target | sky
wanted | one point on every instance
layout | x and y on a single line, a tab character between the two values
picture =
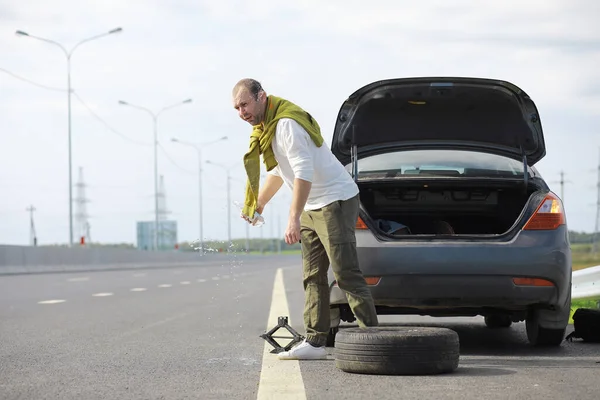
311	52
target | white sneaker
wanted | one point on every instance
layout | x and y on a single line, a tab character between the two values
304	351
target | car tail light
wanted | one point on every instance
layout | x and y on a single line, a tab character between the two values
360	224
532	282
370	280
549	215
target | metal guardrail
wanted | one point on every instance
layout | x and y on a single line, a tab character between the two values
586	284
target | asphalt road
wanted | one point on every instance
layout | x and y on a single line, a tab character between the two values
193	333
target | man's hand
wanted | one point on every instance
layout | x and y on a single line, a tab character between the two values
245	218
292	233
259	209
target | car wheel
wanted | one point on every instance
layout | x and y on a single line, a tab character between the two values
539	336
536	324
495	321
397	350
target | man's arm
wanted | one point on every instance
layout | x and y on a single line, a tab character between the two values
267	191
299	197
297	143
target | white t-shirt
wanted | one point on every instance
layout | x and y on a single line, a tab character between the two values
298	156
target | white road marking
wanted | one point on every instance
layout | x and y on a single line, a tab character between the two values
279	379
51	301
102	294
81	279
165	285
225	277
201	280
138	289
215	278
185	282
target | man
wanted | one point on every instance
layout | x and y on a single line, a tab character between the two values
323	211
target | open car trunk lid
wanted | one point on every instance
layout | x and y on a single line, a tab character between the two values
439	113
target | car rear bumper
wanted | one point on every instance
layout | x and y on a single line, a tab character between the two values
452	274
447	291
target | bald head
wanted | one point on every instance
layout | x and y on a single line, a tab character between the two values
251	85
250	100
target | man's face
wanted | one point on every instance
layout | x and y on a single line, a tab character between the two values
249	109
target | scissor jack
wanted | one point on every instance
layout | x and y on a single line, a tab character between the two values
282	322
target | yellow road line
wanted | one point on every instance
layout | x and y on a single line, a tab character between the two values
279	379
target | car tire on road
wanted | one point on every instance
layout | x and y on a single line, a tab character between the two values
539	336
397	350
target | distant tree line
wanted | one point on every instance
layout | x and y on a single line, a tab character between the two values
581	237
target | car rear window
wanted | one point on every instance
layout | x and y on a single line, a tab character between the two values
438	163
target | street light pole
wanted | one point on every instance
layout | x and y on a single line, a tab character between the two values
198	148
68	55
155	123
228	210
227	170
32	234
200	220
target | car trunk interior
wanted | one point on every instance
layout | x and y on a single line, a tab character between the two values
438	208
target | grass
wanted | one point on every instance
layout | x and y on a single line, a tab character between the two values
581	257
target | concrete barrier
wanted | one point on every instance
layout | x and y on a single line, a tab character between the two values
586	284
28	259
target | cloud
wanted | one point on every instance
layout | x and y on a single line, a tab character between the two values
434	20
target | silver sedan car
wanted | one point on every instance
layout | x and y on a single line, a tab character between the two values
455	220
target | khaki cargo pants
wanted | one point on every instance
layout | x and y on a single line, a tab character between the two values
327	237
